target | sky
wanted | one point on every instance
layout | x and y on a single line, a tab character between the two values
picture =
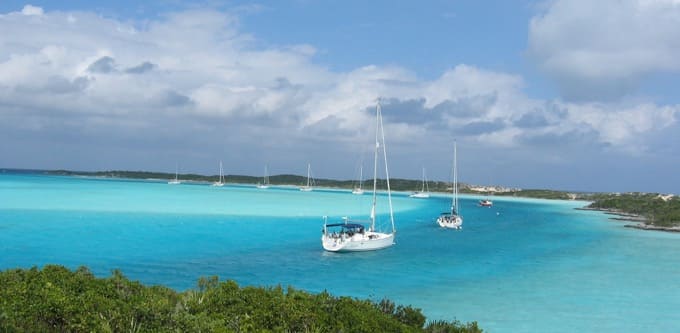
575	95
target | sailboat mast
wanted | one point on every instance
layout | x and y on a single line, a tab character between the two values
361	175
387	173
375	166
309	172
266	175
455	180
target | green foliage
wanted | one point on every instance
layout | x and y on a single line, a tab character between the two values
656	210
395	184
56	299
540	194
455	326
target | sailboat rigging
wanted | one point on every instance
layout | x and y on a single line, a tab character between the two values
358	190
425	190
452	219
265	180
176	180
220	182
351	236
310	181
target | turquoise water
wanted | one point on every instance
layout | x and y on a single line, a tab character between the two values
521	266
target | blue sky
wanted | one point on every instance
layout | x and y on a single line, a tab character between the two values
573	95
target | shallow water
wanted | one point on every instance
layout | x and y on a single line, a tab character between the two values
523	265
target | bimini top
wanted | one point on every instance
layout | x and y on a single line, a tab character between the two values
346	225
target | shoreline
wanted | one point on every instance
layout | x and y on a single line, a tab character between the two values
628	217
617	214
433	193
642	226
335	184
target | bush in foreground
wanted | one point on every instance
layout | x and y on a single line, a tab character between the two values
56	299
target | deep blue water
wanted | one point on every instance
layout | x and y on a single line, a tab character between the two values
523	265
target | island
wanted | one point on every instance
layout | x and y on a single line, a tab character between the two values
651	211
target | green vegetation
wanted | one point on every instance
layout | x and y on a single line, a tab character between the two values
542	194
651	206
396	184
56	299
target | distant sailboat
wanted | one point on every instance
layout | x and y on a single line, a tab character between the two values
452	219
176	180
359	190
310	181
221	181
265	180
351	237
423	193
485	203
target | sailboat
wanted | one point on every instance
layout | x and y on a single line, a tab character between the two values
423	193
351	236
310	181
452	219
265	180
485	203
359	190
176	180
221	181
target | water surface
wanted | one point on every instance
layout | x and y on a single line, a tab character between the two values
521	266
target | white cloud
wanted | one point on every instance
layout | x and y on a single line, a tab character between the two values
192	79
32	10
603	49
467	81
623	126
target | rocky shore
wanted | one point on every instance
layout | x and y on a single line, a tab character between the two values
618	215
643	226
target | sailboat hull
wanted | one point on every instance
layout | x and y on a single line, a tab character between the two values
450	222
355	237
265	184
485	203
368	241
421	195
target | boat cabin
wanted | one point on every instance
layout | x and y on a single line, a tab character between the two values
348	229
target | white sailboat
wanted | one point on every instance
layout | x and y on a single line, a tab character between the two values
265	180
351	236
176	180
359	190
452	219
423	193
220	182
485	203
310	181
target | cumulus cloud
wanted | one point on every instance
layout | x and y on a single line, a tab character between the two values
191	84
601	50
141	68
102	65
32	10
